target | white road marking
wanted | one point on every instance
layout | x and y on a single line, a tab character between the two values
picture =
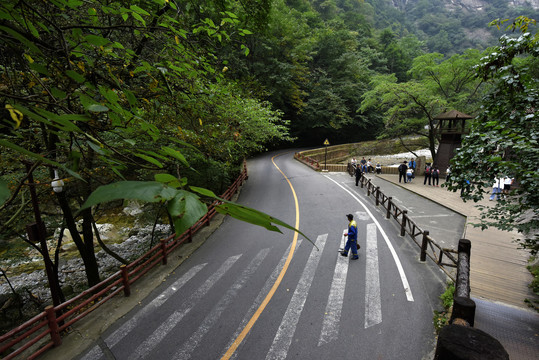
144	349
373	303
285	333
214	315
404	280
129	325
332	317
261	295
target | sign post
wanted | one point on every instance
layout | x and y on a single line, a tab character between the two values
326	144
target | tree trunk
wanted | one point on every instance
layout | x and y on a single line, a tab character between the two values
86	248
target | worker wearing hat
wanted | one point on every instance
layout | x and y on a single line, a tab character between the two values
352	238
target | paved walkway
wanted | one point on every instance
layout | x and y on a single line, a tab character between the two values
498	268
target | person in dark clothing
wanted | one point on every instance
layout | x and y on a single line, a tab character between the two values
402	171
435	176
358	174
363	163
428	175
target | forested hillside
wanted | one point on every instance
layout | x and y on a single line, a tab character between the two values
315	60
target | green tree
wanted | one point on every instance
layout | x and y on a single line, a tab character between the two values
435	86
504	137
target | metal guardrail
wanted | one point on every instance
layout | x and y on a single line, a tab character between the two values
55	320
428	246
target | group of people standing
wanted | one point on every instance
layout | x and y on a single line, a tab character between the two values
407	173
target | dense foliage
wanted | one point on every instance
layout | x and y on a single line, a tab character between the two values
504	137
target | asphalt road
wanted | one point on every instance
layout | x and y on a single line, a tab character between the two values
248	293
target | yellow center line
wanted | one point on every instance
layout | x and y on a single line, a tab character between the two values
264	303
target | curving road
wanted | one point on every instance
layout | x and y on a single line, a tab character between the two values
248	293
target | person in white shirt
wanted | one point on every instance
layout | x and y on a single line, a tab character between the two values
507	182
496	189
409	174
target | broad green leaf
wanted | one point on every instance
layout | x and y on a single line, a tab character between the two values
168	179
61	122
175	154
146	191
97	148
247	214
139	10
97	40
75	76
58	94
39	68
150	160
139	18
185	209
4	192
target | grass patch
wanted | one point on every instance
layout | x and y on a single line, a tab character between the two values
441	318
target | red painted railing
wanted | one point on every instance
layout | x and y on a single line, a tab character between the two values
30	337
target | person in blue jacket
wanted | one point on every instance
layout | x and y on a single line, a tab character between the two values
352	238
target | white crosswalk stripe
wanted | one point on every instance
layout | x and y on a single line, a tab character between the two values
373	303
283	338
332	315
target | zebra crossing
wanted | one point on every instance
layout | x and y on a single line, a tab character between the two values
284	335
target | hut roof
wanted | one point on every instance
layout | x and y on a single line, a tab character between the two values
453	114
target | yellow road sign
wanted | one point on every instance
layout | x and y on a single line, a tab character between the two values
326	142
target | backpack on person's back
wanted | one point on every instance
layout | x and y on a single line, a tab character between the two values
402	168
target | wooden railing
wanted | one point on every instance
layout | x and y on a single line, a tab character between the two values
30	338
442	257
308	161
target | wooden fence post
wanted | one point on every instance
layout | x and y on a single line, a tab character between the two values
125	280
424	245
377	195
403	224
369	188
463	306
53	325
164	251
388	215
